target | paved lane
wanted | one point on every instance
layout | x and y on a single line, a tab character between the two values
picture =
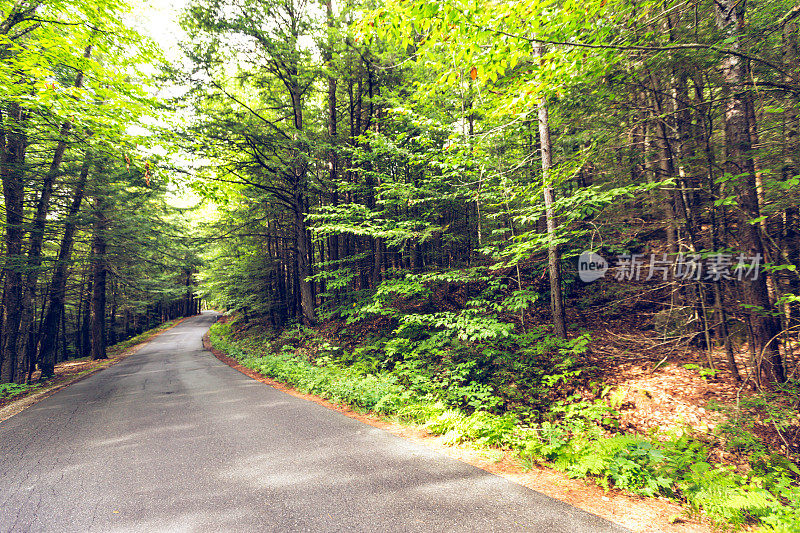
173	440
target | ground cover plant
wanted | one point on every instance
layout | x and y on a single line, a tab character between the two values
578	436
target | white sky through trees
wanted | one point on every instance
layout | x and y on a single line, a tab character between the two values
158	19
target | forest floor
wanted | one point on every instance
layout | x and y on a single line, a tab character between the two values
666	381
69	372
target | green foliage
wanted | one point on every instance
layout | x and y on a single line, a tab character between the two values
774	409
724	494
12	389
579	437
419	413
480	427
337	384
626	461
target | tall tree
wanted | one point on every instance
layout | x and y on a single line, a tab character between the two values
282	66
48	340
739	166
553	257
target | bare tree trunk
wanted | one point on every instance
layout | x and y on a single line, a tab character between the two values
333	160
686	151
730	18
665	168
553	257
188	299
99	271
299	174
303	265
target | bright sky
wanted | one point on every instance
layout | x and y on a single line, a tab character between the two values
158	19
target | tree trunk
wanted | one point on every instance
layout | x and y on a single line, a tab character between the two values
304	266
12	171
98	316
765	328
188	303
34	260
55	309
791	152
665	168
553	256
333	160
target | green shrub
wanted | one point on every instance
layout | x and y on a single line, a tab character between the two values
724	494
624	461
419	413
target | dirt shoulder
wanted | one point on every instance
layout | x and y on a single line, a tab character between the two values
644	515
67	373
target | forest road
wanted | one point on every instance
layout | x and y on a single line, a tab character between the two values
173	440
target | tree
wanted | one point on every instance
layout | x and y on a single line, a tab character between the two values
60	104
279	62
740	167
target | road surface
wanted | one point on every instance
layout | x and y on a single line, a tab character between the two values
173	440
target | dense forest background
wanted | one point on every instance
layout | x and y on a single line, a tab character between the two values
429	191
364	155
92	252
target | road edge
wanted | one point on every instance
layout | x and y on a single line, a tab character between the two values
543	480
17	406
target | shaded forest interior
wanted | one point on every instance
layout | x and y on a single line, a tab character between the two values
421	146
92	252
481	202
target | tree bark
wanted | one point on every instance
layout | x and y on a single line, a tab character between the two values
99	272
303	265
300	171
665	168
553	257
48	340
739	164
12	163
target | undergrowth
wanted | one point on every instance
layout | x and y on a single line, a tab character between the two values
8	390
577	436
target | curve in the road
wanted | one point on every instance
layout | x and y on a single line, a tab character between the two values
171	439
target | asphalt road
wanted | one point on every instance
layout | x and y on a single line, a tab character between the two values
173	440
